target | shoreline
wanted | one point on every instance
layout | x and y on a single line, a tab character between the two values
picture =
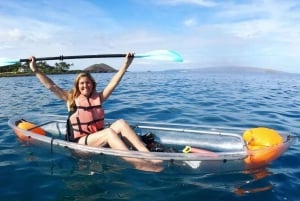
30	74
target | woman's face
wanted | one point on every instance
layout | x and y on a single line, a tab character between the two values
85	86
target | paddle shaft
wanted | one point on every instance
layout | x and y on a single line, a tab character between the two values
75	57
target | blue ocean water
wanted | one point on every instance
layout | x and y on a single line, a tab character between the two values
198	97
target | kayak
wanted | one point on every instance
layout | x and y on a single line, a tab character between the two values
181	147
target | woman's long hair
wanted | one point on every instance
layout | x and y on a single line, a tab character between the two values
74	93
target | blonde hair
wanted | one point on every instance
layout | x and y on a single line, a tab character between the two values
74	93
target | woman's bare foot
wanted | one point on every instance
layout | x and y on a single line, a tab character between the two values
156	162
148	166
145	165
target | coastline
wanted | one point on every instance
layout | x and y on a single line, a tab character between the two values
12	74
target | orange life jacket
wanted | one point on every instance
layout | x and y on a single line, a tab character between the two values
88	117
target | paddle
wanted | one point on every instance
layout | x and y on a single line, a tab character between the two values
164	55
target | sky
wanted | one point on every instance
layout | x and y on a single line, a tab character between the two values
206	33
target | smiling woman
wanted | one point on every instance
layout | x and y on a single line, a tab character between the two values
85	124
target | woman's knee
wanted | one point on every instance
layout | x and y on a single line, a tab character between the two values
121	122
119	125
111	134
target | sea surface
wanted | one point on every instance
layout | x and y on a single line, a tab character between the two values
198	97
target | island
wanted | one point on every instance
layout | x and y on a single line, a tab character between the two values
59	68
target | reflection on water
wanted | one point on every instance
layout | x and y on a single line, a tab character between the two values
91	178
80	176
257	184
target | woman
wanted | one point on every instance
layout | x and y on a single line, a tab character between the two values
86	116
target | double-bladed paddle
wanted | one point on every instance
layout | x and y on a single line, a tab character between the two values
163	55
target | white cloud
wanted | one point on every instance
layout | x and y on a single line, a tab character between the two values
11	34
251	29
192	22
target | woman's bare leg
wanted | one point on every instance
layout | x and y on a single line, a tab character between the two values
108	136
121	127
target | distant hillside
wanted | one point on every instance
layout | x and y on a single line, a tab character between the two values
235	69
241	69
100	68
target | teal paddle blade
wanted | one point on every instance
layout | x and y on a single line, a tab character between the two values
164	55
7	62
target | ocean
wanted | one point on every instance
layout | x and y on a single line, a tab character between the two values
195	97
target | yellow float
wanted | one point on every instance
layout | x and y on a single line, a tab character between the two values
264	145
28	126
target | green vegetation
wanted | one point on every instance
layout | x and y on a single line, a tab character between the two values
20	69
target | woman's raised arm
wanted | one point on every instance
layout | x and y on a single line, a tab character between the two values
47	82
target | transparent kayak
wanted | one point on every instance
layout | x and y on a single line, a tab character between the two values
186	147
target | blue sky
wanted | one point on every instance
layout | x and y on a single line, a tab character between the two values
207	33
